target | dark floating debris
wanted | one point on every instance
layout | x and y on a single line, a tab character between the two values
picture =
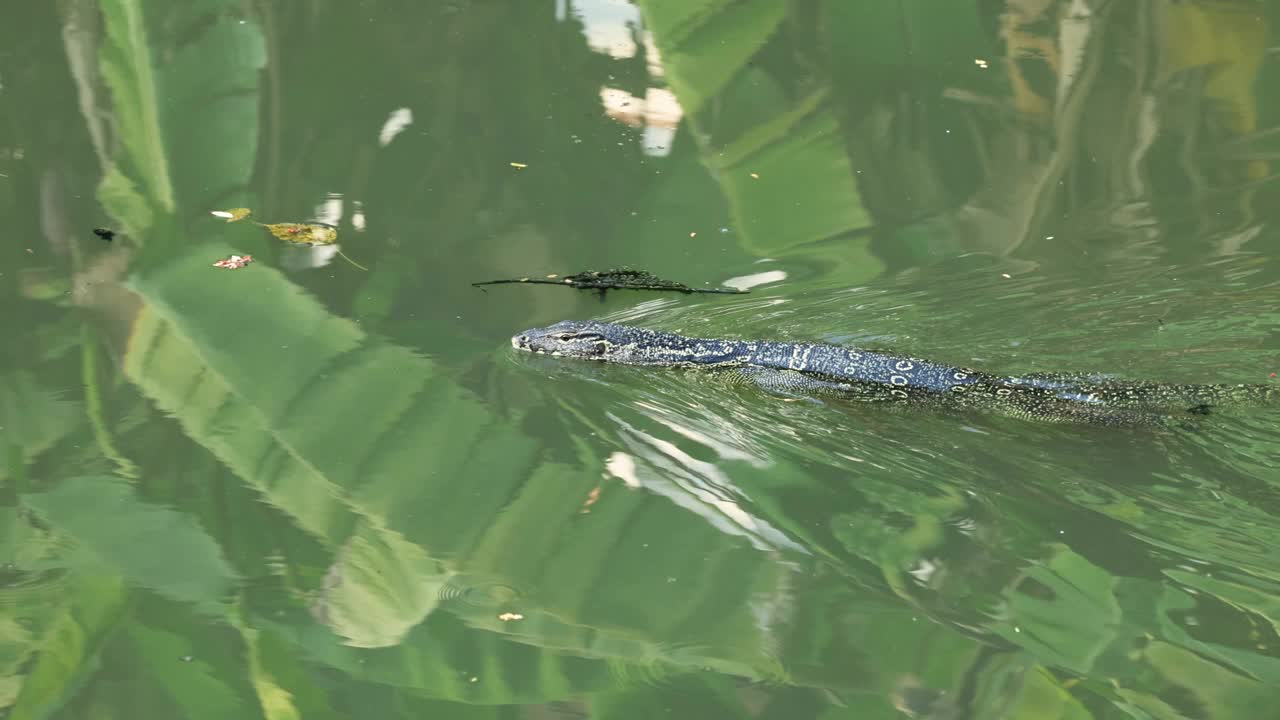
603	281
105	233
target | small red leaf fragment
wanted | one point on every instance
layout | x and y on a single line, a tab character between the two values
235	262
592	497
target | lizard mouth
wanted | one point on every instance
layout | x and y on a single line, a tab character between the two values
525	343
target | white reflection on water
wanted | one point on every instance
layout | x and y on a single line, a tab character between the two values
396	122
609	25
658	113
623	466
663	468
746	282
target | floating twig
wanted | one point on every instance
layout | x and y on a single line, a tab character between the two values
617	279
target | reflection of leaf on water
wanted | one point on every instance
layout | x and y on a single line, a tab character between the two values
1227	42
442	658
784	170
188	126
333	427
345	433
1064	611
699	696
379	588
1040	696
121	198
1263	601
71	645
195	679
705	43
285	690
1218	692
207	361
894	550
630	565
128	69
320	415
803	188
34	596
1262	667
31	419
155	547
27	546
945	38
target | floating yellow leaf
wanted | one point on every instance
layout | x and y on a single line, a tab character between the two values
303	233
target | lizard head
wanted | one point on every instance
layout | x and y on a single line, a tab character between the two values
585	340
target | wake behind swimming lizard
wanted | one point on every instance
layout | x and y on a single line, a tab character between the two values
815	369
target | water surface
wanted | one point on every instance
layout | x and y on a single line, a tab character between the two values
302	490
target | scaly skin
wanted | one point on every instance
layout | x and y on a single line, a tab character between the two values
816	369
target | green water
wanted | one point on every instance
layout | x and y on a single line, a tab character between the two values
300	490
